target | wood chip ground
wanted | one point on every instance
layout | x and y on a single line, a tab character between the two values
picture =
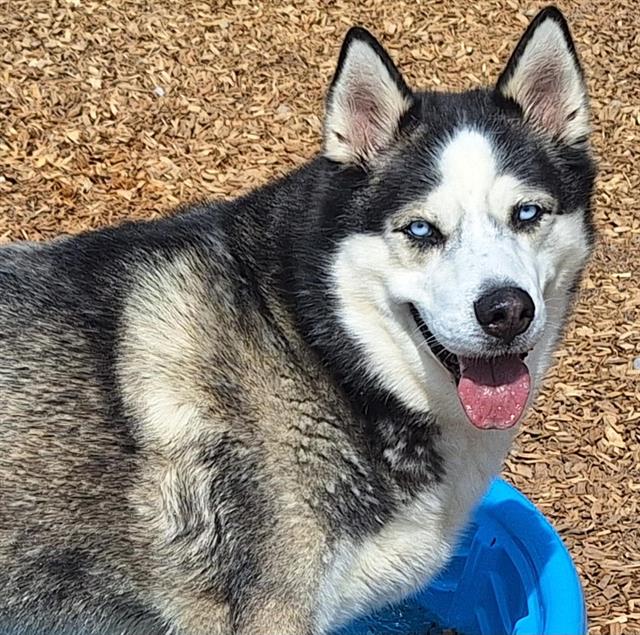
122	109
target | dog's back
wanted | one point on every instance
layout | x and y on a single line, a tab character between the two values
145	398
68	459
70	456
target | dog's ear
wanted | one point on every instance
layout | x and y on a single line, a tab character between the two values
366	101
544	77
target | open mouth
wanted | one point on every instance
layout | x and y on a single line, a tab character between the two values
493	390
448	359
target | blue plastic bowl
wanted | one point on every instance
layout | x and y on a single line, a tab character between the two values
511	575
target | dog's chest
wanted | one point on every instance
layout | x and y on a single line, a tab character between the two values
411	547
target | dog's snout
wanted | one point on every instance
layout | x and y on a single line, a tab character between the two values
504	312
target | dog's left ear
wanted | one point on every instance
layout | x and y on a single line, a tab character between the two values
366	101
544	77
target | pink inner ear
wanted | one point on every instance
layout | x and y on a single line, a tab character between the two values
543	98
366	125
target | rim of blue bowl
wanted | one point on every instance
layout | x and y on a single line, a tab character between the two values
555	600
563	609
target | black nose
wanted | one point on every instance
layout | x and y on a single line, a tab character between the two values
504	312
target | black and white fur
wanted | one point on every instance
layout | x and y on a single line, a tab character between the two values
228	421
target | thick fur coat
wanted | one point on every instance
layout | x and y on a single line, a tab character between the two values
243	418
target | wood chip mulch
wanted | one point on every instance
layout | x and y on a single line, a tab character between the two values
116	109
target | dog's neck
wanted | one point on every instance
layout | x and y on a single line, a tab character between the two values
301	228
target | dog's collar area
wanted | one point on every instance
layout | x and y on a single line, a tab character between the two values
448	359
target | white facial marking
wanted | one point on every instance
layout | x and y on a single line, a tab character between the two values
468	169
383	329
472	205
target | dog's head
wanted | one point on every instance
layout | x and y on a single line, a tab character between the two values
467	224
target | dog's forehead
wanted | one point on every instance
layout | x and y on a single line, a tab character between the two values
470	180
468	166
468	155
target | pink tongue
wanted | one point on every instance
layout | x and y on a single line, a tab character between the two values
494	391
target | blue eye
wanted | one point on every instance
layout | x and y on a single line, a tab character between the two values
528	212
420	229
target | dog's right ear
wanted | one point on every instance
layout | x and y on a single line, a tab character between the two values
366	101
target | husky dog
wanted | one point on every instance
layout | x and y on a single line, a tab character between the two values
269	415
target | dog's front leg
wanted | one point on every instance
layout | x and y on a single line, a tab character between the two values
276	618
283	601
259	610
284	608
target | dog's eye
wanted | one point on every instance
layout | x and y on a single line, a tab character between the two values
527	213
420	229
423	233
